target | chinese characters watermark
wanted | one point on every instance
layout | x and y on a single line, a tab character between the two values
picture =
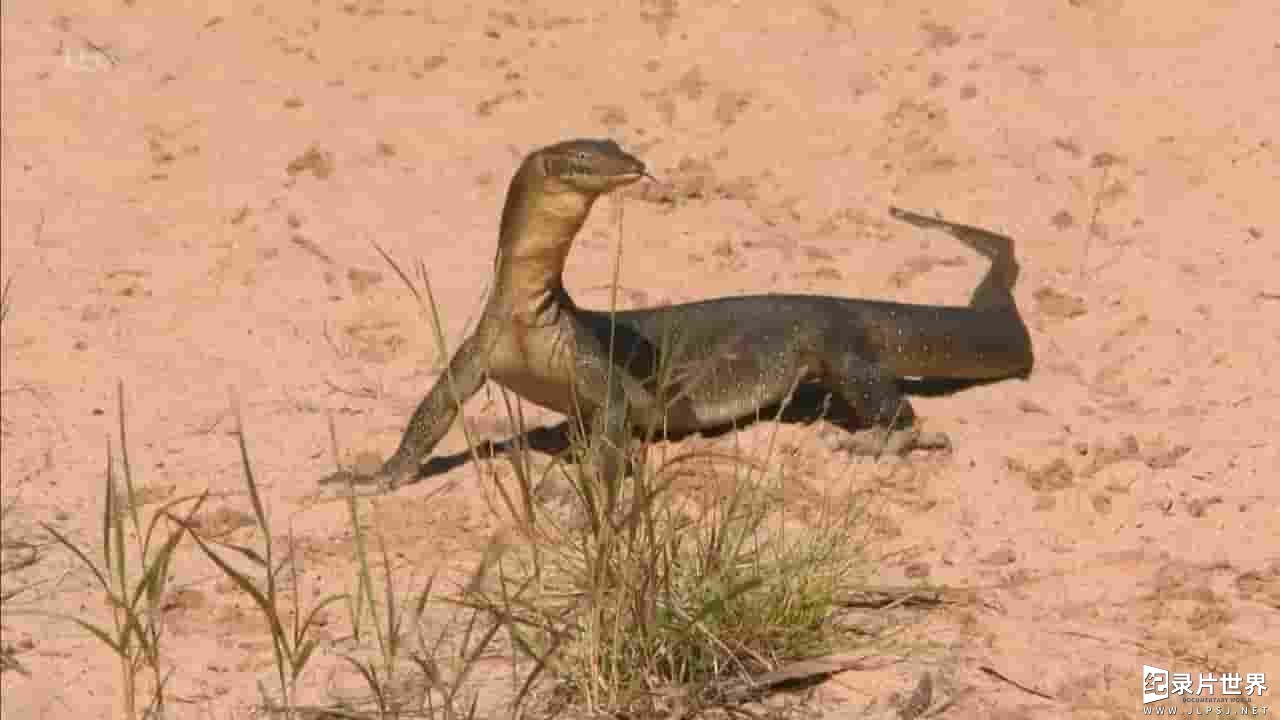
1229	687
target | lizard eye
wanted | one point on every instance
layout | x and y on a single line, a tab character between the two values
578	163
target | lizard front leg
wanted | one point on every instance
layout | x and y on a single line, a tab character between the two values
463	378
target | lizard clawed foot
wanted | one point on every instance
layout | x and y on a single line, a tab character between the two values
371	477
882	441
357	483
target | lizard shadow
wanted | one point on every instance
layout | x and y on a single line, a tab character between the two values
809	404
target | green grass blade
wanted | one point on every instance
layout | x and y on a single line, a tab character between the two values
246	552
370	675
124	458
310	620
259	512
165	510
388	597
121	651
108	511
64	541
300	658
246	585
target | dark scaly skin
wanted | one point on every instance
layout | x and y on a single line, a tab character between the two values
700	365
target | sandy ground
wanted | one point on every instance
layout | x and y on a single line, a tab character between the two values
190	194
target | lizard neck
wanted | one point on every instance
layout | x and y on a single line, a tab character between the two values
540	219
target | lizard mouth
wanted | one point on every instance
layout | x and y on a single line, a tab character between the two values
630	177
626	178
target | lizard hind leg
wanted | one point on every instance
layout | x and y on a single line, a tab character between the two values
873	394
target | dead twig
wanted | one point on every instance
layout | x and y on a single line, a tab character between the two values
1025	688
363	393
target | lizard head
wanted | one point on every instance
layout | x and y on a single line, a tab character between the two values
588	167
552	194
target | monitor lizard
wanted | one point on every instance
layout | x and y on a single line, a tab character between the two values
699	365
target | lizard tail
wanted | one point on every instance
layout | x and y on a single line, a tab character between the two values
996	288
